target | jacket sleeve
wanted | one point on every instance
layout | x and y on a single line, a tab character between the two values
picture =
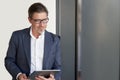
57	64
10	58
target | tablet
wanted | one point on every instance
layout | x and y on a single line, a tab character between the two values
45	73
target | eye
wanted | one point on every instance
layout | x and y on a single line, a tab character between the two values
45	20
41	20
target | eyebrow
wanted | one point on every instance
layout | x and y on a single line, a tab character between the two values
39	19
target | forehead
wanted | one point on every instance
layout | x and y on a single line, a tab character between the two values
41	15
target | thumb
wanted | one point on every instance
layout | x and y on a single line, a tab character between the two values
24	76
52	75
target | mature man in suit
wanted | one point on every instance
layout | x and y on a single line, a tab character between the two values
33	48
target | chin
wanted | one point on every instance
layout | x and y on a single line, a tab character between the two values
40	31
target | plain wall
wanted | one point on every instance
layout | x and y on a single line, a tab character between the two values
14	16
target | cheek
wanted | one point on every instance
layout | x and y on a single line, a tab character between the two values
36	25
45	26
42	26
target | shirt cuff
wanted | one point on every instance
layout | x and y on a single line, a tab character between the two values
18	75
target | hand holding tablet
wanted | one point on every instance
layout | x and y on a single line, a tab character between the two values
44	73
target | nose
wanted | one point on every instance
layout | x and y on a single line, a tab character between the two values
41	24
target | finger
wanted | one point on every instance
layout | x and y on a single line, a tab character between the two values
51	76
24	76
38	78
42	78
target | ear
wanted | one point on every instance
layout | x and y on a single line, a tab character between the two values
29	19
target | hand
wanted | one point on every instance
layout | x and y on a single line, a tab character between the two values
43	78
22	77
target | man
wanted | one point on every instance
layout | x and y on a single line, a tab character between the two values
34	48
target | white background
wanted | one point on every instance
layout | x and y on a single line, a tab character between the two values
14	16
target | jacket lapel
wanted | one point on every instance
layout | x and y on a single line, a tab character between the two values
26	45
47	47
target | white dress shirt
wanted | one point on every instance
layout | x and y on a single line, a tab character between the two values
37	52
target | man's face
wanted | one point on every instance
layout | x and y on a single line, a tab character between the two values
39	21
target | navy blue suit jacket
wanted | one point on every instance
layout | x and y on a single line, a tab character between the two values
18	58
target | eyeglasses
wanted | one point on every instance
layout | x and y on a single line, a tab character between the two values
43	21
